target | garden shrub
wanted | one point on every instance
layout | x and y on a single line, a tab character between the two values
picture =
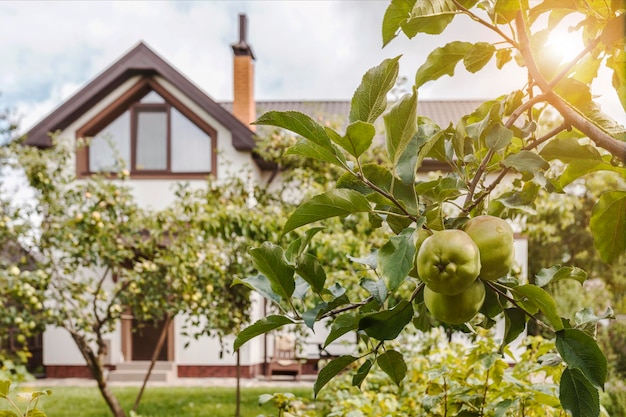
457	379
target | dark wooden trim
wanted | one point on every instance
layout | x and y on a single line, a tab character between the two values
140	60
129	101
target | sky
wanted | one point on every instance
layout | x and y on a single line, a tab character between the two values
305	50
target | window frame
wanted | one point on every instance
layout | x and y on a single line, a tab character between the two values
130	100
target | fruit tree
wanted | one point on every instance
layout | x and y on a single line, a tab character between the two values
544	136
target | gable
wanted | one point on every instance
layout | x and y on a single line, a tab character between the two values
141	61
153	131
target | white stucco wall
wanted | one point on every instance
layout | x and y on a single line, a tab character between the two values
60	349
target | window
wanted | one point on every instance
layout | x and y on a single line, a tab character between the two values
151	137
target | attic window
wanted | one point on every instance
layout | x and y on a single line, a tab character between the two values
153	137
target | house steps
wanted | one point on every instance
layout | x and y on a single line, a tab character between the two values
136	371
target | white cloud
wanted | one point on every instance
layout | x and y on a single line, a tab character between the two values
304	49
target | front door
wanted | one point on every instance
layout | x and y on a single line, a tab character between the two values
140	338
144	340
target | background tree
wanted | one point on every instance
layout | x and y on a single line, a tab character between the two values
558	233
500	158
99	254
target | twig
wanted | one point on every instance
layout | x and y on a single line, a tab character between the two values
485	23
349	307
506	170
477	176
513	301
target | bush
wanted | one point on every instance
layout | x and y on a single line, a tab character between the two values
612	340
614	400
454	378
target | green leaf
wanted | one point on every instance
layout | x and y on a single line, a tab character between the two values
363	371
614	31
270	261
309	149
587	320
5	386
331	370
580	351
370	98
8	413
343	324
577	395
35	412
395	258
396	14
260	327
400	125
608	225
556	273
514	324
376	288
392	363
310	269
502	57
441	61
358	138
543	301
504	11
316	145
526	161
617	62
298	123
578	168
478	56
480	127
431	17
310	316
429	136
387	324
338	202
298	246
301	289
498	137
260	284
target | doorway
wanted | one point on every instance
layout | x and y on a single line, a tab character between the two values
140	338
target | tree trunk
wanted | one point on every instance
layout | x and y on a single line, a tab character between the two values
97	371
155	355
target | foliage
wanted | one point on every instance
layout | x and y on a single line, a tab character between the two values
614	400
612	339
558	233
456	378
31	409
499	157
99	254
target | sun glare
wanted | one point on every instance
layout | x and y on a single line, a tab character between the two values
564	44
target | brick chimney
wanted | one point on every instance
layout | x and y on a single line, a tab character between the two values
244	107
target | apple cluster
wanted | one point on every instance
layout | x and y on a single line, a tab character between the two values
454	263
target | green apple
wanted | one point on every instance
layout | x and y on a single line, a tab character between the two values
494	238
448	261
455	309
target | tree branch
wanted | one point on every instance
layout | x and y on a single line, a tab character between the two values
572	116
349	307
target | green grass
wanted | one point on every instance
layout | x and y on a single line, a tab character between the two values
163	401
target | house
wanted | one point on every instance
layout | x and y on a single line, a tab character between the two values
169	130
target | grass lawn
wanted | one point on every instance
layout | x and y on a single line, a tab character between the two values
163	401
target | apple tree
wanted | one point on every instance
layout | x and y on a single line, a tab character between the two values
539	138
98	255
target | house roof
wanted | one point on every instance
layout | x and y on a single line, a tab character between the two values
141	60
442	112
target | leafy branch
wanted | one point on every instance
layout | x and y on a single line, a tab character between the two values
570	114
